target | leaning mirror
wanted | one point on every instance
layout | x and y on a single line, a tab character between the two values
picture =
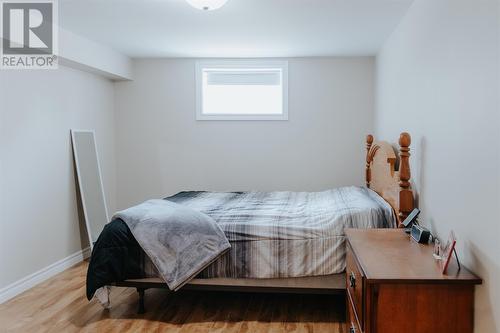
90	182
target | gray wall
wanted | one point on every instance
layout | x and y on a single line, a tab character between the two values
38	214
162	149
437	77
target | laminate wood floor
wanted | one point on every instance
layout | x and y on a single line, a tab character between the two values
59	305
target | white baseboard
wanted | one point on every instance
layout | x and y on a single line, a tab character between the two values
32	280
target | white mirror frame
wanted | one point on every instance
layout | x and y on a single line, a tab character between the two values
80	185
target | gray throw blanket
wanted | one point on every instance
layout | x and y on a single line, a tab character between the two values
180	241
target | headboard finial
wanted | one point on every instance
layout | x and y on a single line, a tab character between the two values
369	142
404	139
369	139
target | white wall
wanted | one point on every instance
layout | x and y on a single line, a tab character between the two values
162	149
38	213
437	78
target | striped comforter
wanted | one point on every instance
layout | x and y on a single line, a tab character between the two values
287	234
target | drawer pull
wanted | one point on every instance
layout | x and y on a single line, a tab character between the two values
352	280
352	329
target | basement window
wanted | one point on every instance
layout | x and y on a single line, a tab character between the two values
242	90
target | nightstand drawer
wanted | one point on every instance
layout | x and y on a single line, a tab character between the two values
355	285
352	320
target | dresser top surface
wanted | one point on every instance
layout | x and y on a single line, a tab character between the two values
390	254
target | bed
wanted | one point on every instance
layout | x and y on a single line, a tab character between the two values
280	241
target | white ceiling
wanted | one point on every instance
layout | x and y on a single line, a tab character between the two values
242	28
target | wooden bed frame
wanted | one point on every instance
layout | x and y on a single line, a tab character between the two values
389	176
385	174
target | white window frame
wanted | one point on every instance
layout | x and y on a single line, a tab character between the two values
224	64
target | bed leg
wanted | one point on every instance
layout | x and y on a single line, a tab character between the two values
141	309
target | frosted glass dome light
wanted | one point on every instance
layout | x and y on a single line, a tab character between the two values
207	4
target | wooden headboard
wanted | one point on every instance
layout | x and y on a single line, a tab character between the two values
388	175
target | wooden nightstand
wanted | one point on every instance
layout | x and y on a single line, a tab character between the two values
395	285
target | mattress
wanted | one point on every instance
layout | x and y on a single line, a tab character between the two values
287	234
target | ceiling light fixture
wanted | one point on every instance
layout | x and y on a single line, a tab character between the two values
207	4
